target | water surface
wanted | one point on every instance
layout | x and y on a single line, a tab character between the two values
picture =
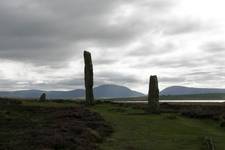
173	101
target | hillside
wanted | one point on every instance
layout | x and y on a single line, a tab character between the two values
115	91
103	91
181	90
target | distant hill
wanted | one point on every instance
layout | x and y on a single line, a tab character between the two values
103	91
50	94
115	91
181	90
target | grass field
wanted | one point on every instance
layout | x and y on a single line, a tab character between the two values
32	122
135	130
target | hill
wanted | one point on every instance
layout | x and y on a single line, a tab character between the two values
103	91
181	90
115	91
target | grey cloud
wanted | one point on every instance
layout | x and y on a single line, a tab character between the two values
78	82
52	27
68	84
171	62
158	6
162	4
213	47
197	73
45	32
104	61
72	82
172	79
214	51
207	78
183	26
151	49
210	72
7	84
198	77
116	77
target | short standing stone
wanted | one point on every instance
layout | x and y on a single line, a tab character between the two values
153	95
43	97
209	143
88	71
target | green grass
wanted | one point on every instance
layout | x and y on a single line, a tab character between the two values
207	96
135	130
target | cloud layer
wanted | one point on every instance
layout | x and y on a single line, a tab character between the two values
41	43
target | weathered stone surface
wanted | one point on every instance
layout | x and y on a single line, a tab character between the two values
153	95
88	71
43	97
209	143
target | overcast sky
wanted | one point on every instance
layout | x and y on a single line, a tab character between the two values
42	43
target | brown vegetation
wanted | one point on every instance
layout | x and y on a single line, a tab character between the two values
31	127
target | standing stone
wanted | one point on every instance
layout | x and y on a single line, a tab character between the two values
88	71
43	97
209	143
153	95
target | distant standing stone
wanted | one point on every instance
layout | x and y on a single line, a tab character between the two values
88	71
209	143
153	95
43	97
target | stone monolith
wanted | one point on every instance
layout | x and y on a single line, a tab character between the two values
88	71
153	95
42	97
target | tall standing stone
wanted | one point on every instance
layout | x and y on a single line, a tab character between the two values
88	71
153	95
